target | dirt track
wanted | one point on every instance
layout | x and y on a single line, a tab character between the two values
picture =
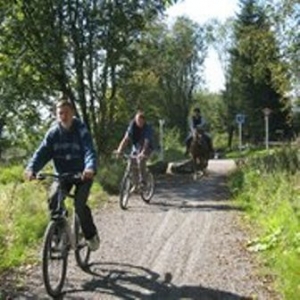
186	244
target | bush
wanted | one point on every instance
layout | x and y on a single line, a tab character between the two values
267	186
110	175
173	147
13	173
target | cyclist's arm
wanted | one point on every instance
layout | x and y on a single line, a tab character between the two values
147	141
90	157
146	146
124	142
126	138
40	158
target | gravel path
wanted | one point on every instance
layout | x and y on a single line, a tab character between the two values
186	244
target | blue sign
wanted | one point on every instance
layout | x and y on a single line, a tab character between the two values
240	118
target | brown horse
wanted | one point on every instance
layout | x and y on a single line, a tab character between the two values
199	151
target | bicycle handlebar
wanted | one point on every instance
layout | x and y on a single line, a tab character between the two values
60	177
130	156
127	156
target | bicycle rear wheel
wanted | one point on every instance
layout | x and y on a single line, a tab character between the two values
82	251
125	191
147	190
55	257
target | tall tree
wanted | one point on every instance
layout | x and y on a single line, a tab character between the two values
220	37
168	70
284	16
257	74
71	47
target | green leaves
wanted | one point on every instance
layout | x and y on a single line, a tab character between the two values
257	75
265	243
75	48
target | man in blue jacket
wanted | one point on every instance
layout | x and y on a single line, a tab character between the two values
69	145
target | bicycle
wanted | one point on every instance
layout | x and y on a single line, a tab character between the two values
144	188
60	237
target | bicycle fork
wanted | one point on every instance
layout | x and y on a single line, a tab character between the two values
139	171
67	229
71	234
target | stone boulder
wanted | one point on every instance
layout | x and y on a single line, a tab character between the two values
180	167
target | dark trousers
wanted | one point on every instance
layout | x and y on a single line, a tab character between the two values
82	191
143	165
143	170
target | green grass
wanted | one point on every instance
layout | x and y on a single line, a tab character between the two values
22	210
269	192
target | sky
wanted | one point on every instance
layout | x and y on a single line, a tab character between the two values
200	11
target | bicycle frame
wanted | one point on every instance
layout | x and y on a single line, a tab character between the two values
60	212
68	237
142	184
131	160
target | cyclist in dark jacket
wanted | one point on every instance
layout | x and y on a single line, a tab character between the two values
140	134
69	145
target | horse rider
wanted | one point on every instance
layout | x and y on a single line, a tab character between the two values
197	121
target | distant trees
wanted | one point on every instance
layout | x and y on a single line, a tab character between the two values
74	48
257	74
112	57
167	71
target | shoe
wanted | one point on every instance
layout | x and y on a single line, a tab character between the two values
94	242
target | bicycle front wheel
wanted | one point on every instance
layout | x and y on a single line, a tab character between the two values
147	190
125	191
82	251
55	257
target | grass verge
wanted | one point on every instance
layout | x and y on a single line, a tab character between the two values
270	195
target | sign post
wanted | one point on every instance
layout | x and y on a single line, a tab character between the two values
267	111
161	138
240	119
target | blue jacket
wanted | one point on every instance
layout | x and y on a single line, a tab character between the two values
71	150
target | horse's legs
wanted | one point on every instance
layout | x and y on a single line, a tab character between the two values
195	167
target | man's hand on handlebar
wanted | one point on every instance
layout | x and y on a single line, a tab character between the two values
29	175
141	155
117	153
88	174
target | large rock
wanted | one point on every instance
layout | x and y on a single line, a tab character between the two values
181	167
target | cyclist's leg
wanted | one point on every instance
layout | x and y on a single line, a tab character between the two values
143	165
54	194
83	210
134	168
